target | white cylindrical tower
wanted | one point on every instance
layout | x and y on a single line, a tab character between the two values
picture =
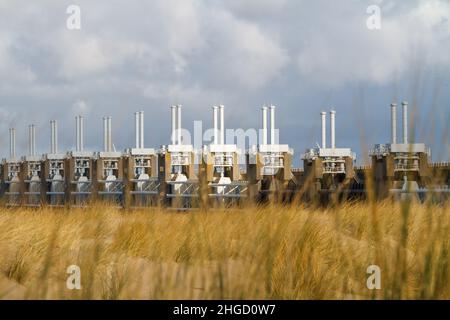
33	135
222	124
136	129
405	121
77	133
55	126
53	137
173	137
110	134
323	116
215	125
12	143
332	128
141	128
30	140
272	124
179	124
393	123
105	134
264	125
81	119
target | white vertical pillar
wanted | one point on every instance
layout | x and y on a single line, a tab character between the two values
264	125
33	135
215	124
332	128
12	143
55	126
52	136
77	133
323	116
405	121
81	133
136	128
179	123
105	134
110	134
174	124
272	124
141	128
52	132
393	123
30	143
222	124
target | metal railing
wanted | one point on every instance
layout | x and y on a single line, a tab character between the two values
187	189
234	189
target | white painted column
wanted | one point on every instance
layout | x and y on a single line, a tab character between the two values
264	125
179	123
105	134
136	129
81	119
323	116
12	143
405	121
393	123
222	124
215	125
141	129
332	128
174	124
272	124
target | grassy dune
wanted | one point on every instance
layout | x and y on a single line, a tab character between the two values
256	253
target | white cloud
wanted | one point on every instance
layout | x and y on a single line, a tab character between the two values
241	54
344	51
80	107
12	71
84	57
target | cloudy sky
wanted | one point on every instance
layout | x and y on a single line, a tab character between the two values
303	56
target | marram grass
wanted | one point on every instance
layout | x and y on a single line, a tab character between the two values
271	252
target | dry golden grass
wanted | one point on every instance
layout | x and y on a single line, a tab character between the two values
270	252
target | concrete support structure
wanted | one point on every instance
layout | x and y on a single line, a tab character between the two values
178	181
219	170
109	168
12	174
402	166
141	171
32	173
269	165
80	170
327	171
54	174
